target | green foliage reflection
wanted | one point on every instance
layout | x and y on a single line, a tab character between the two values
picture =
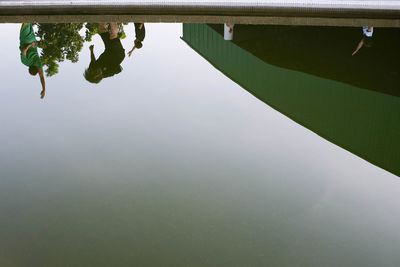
60	41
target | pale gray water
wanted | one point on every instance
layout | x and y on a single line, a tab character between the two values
170	163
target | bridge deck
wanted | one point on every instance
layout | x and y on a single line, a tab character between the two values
302	12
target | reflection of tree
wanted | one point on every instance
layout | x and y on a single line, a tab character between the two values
60	41
93	28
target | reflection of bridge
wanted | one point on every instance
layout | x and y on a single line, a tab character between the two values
296	12
312	78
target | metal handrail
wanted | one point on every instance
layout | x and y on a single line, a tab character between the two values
319	8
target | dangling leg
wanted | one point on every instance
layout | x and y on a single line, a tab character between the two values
102	27
114	30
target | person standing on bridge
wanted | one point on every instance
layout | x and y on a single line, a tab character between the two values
228	31
140	34
366	39
109	62
29	53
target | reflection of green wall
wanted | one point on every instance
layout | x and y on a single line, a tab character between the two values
364	122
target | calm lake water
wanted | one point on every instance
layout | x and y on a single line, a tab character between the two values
278	148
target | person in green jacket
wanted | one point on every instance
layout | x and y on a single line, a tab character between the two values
29	53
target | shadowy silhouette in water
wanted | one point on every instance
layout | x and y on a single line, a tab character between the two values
108	63
140	34
366	39
29	54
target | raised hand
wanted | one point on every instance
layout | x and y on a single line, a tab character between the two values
130	52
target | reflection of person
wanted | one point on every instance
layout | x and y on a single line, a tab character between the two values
29	54
140	33
366	40
228	31
108	63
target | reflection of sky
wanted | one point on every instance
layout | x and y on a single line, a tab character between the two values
170	161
